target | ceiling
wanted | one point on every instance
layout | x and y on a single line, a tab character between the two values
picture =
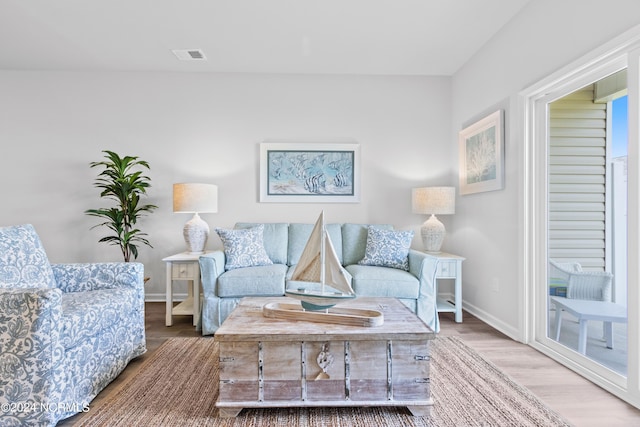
398	37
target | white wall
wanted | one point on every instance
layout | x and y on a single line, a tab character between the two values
545	36
207	127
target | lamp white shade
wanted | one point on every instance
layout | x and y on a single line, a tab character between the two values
433	200
195	198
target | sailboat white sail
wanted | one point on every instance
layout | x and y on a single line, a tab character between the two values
319	281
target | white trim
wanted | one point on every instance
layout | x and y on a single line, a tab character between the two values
533	219
162	297
520	132
492	321
608	188
596	373
633	226
575	71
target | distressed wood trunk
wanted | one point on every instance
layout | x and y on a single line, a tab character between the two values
267	362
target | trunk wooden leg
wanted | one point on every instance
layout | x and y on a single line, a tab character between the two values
229	412
420	411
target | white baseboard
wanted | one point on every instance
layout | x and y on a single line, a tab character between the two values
490	320
484	316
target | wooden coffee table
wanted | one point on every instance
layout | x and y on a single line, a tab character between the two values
268	362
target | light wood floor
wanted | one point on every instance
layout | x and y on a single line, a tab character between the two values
576	399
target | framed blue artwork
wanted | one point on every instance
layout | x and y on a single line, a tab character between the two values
309	172
481	153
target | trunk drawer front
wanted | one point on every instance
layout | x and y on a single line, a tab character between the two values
368	370
410	373
353	371
238	371
281	371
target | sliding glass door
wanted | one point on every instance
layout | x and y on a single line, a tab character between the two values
587	221
582	217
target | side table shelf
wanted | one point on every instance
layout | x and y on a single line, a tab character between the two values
450	267
183	266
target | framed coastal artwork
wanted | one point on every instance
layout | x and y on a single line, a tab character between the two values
481	163
302	172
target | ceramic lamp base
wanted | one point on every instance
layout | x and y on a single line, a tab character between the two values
196	233
432	232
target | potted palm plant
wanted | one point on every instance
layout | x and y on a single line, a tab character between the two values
122	182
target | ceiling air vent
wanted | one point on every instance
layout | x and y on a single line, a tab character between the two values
189	54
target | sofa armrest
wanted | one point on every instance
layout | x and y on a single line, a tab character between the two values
424	267
214	309
31	361
211	267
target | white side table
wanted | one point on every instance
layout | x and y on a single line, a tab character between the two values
450	267
183	266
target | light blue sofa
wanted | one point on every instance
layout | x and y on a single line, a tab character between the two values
284	244
66	330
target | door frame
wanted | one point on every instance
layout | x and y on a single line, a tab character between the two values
532	106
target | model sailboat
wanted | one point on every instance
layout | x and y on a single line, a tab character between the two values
320	282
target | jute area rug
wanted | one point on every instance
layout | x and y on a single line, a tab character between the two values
178	386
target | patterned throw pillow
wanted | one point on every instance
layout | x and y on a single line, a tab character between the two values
387	248
243	248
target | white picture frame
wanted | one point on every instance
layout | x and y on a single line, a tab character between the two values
309	172
481	155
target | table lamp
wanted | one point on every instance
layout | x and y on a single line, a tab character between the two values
432	201
195	198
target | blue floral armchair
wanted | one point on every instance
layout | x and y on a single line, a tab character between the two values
66	330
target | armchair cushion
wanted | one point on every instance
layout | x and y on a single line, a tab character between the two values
244	247
23	261
387	248
86	314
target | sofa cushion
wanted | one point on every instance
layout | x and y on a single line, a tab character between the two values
23	261
244	247
354	241
387	248
267	280
369	281
300	233
274	239
85	314
296	284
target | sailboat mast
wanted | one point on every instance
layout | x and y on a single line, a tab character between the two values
322	254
